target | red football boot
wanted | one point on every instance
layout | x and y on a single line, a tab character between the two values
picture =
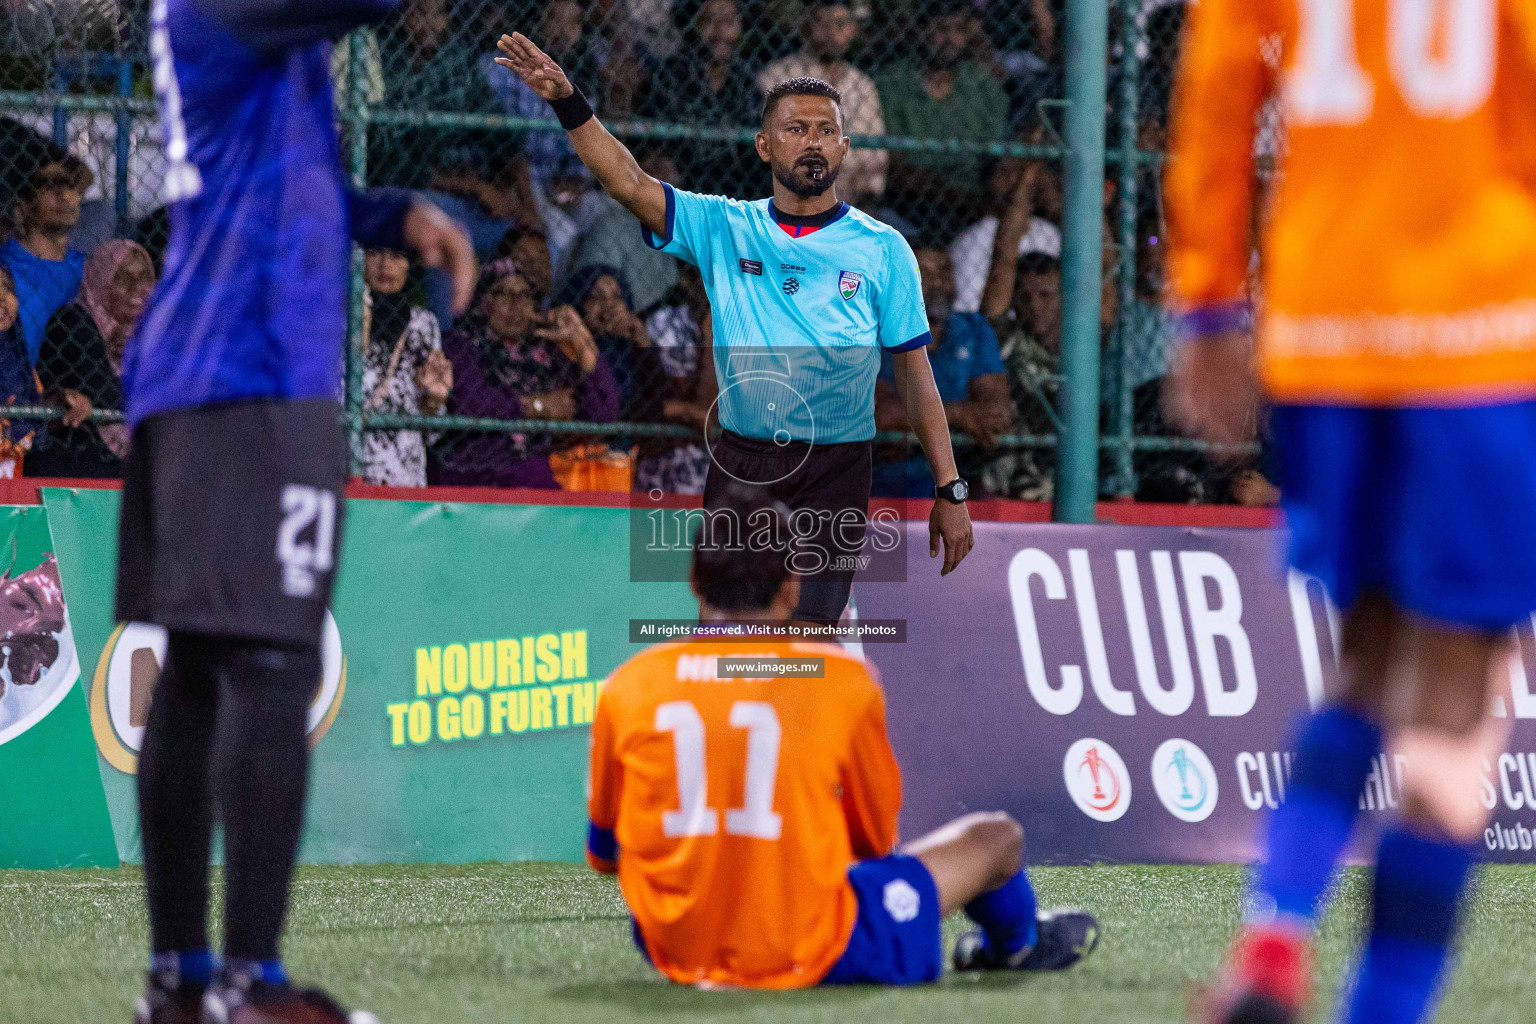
1266	981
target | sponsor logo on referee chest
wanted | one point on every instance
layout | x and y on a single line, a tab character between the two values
753	267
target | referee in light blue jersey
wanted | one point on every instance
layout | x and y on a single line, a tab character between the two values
805	291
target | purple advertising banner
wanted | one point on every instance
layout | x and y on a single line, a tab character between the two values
1128	693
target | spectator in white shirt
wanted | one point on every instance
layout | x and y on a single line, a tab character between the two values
971	251
828	30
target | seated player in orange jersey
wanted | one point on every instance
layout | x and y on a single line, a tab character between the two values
752	821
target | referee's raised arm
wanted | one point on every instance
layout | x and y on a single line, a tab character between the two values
606	157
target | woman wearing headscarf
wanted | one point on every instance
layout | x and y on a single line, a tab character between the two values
404	372
512	363
599	294
80	363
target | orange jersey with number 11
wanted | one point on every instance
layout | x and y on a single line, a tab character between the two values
1399	256
737	807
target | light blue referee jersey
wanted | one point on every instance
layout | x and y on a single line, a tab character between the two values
799	322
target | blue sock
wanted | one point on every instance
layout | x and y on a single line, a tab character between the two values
194	968
1006	915
1307	833
1416	902
269	971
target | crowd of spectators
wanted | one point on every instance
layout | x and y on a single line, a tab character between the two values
65	316
512	362
973	70
576	319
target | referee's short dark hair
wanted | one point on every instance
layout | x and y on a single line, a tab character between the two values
805	85
728	573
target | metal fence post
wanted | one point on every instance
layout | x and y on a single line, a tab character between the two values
124	141
1124	413
60	113
355	110
1077	461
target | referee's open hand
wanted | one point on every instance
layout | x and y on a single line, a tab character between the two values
950	523
534	67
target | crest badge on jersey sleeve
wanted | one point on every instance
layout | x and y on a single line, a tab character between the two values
848	284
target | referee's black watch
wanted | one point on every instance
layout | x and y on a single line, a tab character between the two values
955	492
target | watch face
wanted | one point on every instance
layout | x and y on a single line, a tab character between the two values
960	489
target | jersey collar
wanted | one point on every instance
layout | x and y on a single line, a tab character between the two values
797	227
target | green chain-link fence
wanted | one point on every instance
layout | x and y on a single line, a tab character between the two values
956	109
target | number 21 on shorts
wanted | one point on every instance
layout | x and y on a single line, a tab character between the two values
694	817
302	561
1441	56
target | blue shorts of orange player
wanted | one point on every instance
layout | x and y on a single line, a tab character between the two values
898	936
1433	507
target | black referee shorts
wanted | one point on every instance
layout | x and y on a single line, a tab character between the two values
826	479
231	520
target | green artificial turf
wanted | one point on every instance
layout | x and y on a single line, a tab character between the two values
532	943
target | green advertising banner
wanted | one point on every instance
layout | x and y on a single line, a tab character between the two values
461	666
53	812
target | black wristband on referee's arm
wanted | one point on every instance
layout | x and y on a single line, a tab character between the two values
573	111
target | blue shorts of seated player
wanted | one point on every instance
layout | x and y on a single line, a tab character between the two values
898	936
1434	507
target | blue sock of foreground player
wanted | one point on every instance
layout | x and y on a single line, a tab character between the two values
1416	903
1006	915
1308	832
268	971
194	968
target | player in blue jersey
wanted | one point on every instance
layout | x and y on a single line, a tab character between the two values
232	498
805	292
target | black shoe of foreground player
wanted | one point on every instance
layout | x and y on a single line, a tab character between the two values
261	1003
1066	936
166	1002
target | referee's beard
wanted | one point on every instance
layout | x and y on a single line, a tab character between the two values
800	178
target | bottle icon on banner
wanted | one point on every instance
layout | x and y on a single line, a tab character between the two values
1096	779
1182	766
1094	761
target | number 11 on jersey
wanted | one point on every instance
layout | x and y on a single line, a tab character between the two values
694	817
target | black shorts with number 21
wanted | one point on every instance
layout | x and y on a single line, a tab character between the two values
232	519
